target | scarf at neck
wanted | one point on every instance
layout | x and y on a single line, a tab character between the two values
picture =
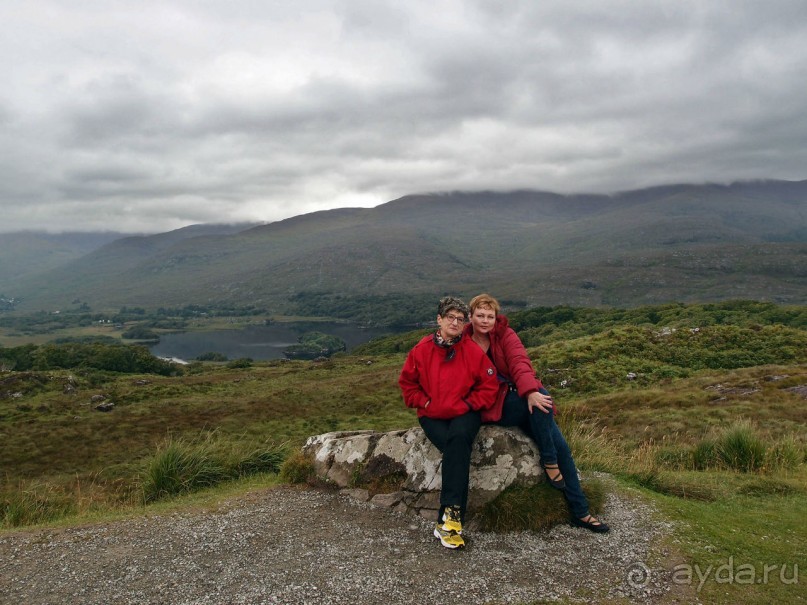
442	342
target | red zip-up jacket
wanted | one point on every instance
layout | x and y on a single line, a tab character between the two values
512	364
451	383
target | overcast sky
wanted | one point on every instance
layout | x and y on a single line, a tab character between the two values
148	116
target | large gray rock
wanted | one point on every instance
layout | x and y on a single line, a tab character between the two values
405	467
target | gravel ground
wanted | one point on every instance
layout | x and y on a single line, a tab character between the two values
296	545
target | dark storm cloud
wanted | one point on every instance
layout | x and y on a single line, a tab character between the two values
156	116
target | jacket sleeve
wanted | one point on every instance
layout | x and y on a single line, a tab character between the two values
519	364
410	382
486	387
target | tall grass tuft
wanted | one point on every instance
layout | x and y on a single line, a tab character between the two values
785	454
179	467
741	448
32	504
704	454
266	458
591	447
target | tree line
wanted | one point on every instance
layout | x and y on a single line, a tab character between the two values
132	359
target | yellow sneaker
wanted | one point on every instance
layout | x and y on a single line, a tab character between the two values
447	537
450	530
452	519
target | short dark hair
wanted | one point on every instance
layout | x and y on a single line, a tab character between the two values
451	303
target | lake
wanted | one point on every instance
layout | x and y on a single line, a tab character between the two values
257	342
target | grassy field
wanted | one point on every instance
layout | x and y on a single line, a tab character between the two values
718	450
58	437
741	530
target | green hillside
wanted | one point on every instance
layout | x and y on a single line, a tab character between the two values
699	409
27	253
684	243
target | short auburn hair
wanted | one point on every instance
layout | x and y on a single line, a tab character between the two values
484	300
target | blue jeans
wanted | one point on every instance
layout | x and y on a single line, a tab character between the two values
543	429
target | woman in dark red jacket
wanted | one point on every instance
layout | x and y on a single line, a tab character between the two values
524	402
449	380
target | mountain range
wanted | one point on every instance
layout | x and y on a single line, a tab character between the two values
684	243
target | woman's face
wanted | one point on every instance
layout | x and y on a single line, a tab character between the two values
483	319
451	324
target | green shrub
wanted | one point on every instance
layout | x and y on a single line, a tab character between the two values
314	344
594	363
297	468
241	362
194	367
211	356
535	507
96	356
140	333
397	343
180	467
741	448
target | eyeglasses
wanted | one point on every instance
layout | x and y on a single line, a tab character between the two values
459	319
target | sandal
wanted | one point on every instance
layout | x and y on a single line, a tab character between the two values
557	481
591	523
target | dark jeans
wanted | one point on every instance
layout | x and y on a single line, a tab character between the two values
543	429
454	438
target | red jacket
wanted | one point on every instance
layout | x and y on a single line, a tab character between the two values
452	387
512	364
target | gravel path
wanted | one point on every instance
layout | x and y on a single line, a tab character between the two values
297	545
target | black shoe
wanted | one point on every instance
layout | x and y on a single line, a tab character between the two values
558	482
591	523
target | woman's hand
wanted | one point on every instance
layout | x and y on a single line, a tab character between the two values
538	400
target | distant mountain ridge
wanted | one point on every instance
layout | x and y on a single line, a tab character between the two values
24	254
687	243
27	252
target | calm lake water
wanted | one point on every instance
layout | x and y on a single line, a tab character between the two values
257	342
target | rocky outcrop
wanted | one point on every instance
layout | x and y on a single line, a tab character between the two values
401	469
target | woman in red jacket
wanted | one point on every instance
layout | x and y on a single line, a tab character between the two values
524	402
448	380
